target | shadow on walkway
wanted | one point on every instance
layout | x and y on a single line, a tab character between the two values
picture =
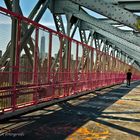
58	125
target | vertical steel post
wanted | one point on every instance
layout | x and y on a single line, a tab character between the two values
13	52
76	76
60	59
15	4
50	59
35	65
18	51
15	72
66	56
69	60
91	60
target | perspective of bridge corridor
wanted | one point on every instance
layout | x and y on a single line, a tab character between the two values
70	69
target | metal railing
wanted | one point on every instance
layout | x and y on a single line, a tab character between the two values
33	80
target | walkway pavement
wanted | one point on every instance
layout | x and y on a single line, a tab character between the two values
109	114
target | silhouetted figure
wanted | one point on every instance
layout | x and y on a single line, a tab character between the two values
129	74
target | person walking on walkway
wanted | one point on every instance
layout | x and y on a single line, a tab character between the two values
129	74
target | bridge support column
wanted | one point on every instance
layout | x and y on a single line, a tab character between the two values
15	4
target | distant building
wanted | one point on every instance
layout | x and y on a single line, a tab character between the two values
55	56
72	57
42	48
46	55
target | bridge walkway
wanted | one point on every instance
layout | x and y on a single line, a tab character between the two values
112	113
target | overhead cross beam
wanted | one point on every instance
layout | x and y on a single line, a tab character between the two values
107	9
126	38
130	5
121	1
108	30
88	22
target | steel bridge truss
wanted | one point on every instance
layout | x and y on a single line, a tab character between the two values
29	76
28	85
